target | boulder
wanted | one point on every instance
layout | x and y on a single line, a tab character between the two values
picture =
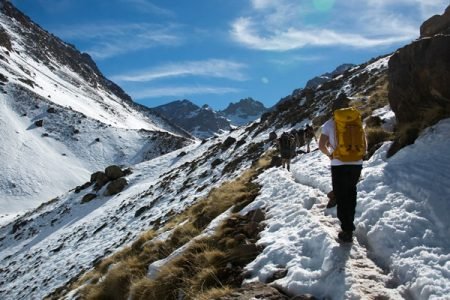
39	123
419	76
436	24
113	172
227	143
116	186
88	197
100	179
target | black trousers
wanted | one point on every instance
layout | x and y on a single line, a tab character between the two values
344	179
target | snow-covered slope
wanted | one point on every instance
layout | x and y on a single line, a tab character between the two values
67	236
61	119
401	249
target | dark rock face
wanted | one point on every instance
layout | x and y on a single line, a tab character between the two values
436	24
419	76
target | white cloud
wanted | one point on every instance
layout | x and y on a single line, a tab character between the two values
265	80
290	24
294	59
246	33
148	7
181	91
110	40
217	68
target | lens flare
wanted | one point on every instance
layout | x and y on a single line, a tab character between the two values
323	5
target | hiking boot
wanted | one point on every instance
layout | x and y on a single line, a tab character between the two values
345	236
332	202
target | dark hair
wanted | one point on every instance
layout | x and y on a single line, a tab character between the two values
340	102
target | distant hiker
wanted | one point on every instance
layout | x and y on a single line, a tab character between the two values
273	138
308	136
343	141
301	137
286	145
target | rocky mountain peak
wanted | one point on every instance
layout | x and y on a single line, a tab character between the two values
248	106
316	81
202	122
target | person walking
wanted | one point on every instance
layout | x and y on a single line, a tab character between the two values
308	136
345	171
286	145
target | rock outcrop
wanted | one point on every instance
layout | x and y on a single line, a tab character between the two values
419	76
436	24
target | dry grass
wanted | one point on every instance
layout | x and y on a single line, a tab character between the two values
214	293
375	98
375	137
199	272
407	133
113	287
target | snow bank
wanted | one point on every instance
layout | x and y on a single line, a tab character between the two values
401	249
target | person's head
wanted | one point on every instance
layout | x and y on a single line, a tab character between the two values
340	102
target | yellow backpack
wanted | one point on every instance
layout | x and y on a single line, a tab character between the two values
350	137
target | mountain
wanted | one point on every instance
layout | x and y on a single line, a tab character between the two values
202	122
61	119
220	219
243	112
316	81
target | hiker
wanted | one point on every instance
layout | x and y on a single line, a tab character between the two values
286	145
346	166
300	138
272	138
308	136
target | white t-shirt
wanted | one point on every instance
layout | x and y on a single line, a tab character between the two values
328	129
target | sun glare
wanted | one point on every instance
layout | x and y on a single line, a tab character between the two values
323	5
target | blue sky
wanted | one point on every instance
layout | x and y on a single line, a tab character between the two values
220	51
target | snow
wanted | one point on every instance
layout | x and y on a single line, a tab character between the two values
41	163
387	116
401	249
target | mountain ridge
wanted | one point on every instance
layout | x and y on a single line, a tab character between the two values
204	122
68	118
225	201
